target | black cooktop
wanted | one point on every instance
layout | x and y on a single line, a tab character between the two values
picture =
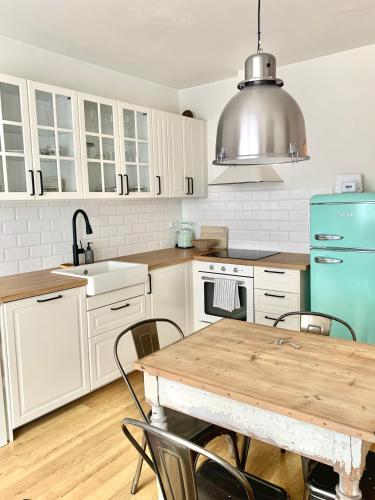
234	253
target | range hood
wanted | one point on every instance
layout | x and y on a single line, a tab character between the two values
242	174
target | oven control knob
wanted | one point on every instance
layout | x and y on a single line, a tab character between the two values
235	269
212	267
223	268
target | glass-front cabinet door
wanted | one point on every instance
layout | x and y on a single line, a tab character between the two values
16	174
55	141
135	133
102	174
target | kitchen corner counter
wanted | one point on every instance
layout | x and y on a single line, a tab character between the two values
24	285
282	260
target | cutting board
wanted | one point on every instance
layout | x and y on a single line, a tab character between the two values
219	233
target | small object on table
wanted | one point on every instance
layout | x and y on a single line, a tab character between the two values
281	341
66	265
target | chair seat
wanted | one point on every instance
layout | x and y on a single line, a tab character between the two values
190	428
322	481
215	482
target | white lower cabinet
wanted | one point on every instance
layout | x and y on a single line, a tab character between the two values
47	353
170	298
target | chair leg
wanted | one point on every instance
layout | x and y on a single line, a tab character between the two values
232	436
244	451
138	471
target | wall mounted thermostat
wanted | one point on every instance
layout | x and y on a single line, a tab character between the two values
349	183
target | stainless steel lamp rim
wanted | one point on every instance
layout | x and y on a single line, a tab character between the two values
269	159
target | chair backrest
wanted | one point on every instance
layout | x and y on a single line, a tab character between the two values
315	322
145	336
174	460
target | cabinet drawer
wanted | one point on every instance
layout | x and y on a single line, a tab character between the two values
118	315
275	301
277	279
263	318
103	368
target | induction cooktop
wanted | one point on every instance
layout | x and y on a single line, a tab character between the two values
235	253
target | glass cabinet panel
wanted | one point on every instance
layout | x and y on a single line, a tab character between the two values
136	147
14	139
54	123
100	146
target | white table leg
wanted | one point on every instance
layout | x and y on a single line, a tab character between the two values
348	489
159	419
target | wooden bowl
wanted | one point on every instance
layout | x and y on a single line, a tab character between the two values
203	244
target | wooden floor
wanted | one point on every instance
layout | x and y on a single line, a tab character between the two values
79	452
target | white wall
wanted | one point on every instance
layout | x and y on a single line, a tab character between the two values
336	94
27	61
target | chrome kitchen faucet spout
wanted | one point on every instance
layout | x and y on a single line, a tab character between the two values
76	250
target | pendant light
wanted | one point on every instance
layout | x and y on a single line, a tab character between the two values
262	124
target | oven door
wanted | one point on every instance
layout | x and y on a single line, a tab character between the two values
209	314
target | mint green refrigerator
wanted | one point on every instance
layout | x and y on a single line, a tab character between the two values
343	261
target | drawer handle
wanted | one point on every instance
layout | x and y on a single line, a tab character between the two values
273	319
276	296
328	237
119	307
51	298
274	272
327	260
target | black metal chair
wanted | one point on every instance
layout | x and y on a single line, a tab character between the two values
319	324
174	461
145	335
315	322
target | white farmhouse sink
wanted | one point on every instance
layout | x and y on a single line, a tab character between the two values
106	276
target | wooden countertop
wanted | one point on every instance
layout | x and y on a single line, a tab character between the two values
328	382
24	285
297	261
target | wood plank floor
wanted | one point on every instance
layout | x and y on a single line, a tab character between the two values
79	452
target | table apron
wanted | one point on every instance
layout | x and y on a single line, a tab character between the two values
345	453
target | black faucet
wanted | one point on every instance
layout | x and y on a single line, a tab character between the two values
76	250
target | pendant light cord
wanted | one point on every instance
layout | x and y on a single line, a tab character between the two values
259	49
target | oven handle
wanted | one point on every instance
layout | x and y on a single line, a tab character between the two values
206	278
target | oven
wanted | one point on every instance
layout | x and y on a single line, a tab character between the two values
204	284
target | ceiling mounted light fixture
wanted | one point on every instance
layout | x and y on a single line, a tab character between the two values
262	124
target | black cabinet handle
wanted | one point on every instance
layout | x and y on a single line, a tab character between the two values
192	185
276	296
52	298
149	285
41	183
119	307
121	184
274	272
159	185
188	185
273	319
127	184
32	183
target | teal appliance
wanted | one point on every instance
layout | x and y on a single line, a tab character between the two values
343	261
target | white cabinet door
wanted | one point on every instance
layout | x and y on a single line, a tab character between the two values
136	154
102	173
47	353
196	153
55	141
160	154
16	170
170	299
103	368
178	182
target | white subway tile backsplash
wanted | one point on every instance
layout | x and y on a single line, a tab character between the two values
14	227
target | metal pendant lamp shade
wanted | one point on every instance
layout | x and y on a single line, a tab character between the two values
262	124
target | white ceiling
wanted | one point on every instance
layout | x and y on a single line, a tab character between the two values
182	43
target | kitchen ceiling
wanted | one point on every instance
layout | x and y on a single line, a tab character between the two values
182	43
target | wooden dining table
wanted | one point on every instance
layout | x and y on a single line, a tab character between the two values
317	400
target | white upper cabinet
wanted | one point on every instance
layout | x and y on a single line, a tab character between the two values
160	154
178	181
136	160
102	173
195	148
16	174
55	141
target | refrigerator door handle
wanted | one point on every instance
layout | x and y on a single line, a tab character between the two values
328	237
327	260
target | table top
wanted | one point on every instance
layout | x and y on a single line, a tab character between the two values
328	382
